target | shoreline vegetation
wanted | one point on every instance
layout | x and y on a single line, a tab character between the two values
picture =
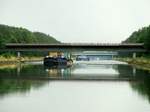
140	36
13	59
139	62
12	34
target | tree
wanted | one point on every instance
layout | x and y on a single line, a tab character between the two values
140	36
9	34
147	40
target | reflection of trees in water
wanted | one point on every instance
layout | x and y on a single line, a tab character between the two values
142	87
131	72
11	81
26	70
8	86
125	71
33	70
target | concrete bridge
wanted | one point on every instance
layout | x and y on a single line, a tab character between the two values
72	47
77	47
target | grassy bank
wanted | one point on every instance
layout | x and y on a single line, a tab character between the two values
142	62
13	59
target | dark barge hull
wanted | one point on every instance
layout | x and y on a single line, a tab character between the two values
51	61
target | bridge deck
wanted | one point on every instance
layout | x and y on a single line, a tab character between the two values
76	46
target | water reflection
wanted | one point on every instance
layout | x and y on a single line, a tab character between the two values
142	88
77	71
18	78
58	71
28	79
72	95
12	86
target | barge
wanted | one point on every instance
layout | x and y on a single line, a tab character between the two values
57	61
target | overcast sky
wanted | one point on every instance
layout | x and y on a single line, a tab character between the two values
100	21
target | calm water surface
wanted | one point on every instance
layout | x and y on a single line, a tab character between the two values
31	87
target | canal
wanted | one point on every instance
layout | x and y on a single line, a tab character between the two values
100	86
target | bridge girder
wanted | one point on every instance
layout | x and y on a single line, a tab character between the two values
76	47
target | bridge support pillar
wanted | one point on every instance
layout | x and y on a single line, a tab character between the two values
19	56
134	55
134	71
18	68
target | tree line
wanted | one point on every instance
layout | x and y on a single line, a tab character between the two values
140	36
9	34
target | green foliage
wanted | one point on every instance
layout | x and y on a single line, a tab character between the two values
43	38
147	39
2	43
7	54
9	86
20	35
140	36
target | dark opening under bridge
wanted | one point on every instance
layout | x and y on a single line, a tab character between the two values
72	47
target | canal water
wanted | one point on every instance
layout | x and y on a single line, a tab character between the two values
100	86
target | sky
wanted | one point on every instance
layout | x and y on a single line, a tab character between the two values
98	21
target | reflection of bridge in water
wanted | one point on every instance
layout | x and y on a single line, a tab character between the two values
76	72
96	72
95	55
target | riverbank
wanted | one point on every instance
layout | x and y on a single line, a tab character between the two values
142	62
12	59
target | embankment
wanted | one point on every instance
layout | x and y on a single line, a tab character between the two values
142	62
12	59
